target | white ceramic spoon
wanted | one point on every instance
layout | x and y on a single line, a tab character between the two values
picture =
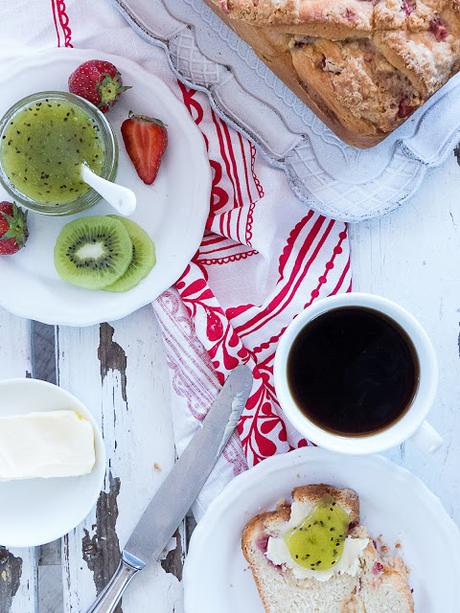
121	198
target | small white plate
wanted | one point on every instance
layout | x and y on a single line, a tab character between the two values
393	503
38	511
173	210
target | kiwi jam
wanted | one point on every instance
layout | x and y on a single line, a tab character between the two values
317	544
43	147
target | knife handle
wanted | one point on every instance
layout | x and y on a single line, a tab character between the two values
108	599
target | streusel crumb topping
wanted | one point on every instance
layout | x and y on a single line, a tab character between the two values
373	62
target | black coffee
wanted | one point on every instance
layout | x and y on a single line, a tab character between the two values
353	371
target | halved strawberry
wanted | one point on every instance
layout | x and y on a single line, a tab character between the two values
145	141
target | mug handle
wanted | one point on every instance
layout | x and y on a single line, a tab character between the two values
426	438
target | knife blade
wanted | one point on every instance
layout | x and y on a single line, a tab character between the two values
181	487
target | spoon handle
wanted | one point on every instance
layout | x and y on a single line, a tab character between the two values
121	198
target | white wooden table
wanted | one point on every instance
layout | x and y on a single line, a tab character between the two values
119	371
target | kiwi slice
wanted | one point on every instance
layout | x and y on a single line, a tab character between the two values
143	257
93	252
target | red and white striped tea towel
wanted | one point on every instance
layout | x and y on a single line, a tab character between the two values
263	259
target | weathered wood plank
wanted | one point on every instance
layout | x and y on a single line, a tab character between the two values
18	567
119	372
412	256
101	550
43	351
10	577
121	375
43	359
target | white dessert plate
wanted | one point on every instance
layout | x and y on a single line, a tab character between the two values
38	511
173	210
394	503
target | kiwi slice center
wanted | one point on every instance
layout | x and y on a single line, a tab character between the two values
91	251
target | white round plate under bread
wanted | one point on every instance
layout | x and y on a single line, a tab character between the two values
173	210
38	511
394	503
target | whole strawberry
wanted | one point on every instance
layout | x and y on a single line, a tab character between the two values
99	82
13	228
145	140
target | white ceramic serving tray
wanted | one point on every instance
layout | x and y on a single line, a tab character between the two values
334	178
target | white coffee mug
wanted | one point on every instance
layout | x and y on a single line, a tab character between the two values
411	426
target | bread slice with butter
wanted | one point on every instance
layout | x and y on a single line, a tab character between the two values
361	579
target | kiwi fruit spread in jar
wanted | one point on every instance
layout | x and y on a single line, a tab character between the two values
43	147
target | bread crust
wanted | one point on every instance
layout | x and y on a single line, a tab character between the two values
353	14
402	52
261	524
347	498
258	526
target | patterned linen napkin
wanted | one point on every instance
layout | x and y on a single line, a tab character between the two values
263	259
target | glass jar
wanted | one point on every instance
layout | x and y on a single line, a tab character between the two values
43	141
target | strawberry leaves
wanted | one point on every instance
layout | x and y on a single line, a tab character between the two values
13	228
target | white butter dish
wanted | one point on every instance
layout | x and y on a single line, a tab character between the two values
37	511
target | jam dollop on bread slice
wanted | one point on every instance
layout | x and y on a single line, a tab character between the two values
363	578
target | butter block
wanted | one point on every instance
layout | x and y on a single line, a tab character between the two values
46	444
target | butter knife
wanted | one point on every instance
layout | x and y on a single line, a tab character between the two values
180	488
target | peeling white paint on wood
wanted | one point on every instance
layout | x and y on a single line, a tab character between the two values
132	407
15	362
411	256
